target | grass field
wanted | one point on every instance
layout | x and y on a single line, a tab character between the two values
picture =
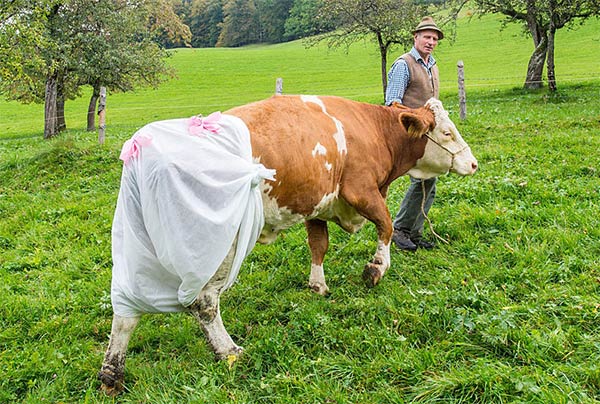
507	312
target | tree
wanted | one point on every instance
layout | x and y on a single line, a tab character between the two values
252	21
304	20
240	23
272	15
389	22
164	21
121	50
205	19
80	42
541	19
22	35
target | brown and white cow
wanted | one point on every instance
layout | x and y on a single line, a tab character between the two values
335	160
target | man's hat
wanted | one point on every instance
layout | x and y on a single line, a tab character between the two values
428	23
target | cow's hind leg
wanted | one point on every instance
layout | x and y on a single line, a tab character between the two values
318	241
113	368
206	310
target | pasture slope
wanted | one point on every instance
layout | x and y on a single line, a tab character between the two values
507	312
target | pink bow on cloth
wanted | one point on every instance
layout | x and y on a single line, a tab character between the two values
197	124
131	148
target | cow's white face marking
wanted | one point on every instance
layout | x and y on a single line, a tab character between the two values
339	135
446	150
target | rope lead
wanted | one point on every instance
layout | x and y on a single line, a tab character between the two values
427	218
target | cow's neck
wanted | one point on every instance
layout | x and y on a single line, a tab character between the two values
405	150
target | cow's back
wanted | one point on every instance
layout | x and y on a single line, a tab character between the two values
307	146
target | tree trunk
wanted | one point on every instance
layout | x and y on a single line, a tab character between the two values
383	51
550	59
384	72
52	96
50	108
61	124
535	68
91	113
550	62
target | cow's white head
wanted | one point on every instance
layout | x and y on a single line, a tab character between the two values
445	150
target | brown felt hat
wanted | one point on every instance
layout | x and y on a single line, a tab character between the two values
428	23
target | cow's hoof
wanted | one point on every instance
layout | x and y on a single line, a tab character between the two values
319	288
230	355
371	275
111	391
112	382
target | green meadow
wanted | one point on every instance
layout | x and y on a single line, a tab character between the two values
507	312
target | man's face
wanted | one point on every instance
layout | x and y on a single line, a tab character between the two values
425	42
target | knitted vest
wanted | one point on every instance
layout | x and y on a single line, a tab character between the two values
421	87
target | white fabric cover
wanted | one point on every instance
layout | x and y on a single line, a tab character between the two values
183	201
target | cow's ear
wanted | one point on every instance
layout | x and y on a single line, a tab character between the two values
396	104
416	125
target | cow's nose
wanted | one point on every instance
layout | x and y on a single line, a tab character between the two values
474	166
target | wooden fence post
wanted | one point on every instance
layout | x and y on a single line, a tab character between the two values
101	115
462	97
279	86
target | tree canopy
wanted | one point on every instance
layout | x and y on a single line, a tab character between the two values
232	23
204	17
387	22
57	46
305	20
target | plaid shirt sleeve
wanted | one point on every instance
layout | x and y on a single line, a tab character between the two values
398	77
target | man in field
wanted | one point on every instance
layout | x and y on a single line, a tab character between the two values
412	80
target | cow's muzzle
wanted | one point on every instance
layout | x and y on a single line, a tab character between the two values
453	155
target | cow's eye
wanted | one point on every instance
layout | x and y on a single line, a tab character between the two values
448	134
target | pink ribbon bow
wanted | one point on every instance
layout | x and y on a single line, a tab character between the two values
131	148
198	124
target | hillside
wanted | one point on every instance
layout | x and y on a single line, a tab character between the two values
218	79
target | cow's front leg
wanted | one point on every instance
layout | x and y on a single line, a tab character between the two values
206	310
113	368
375	269
375	210
318	241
